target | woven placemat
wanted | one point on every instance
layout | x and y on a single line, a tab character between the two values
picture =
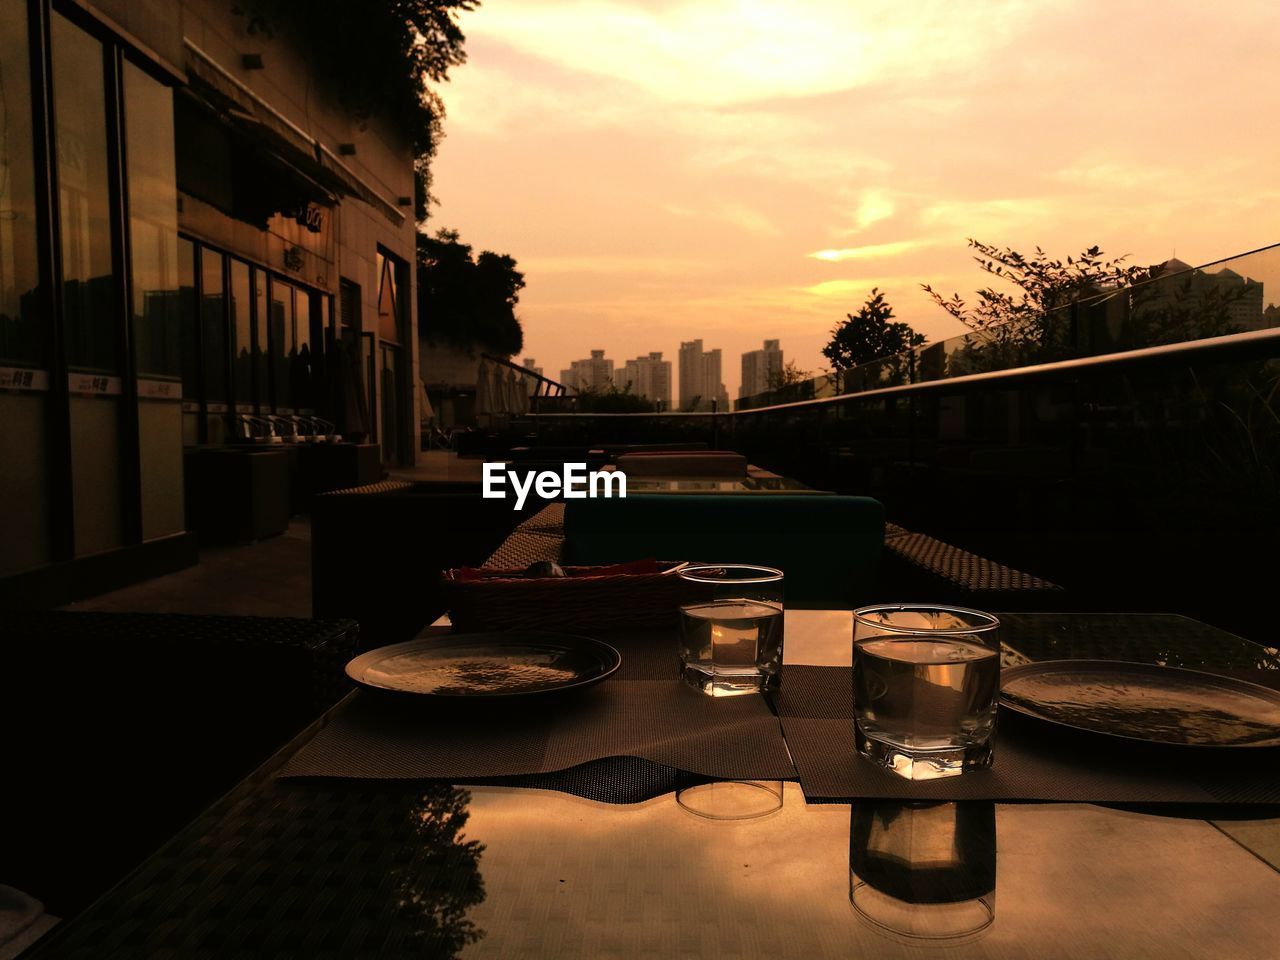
1033	760
643	711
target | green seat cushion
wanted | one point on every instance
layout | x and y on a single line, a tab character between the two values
828	547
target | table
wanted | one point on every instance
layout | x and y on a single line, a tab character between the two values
391	869
745	484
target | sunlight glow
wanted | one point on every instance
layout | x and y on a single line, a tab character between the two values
867	253
737	51
670	169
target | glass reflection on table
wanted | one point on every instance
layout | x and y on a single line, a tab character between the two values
924	872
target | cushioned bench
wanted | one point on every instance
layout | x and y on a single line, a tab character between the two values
920	567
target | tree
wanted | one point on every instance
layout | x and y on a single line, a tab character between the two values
438	880
788	375
467	301
1028	327
869	335
1046	285
609	399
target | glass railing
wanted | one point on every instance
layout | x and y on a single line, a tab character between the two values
1178	305
1147	481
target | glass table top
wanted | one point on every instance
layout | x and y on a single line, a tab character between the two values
400	868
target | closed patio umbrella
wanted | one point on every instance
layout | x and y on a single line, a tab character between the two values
484	390
522	395
512	391
498	390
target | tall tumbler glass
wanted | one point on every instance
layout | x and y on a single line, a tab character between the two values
731	641
925	684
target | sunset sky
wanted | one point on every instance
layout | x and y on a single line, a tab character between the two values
673	169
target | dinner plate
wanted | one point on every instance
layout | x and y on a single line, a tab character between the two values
1138	701
480	666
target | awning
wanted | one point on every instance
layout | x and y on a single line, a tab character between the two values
289	142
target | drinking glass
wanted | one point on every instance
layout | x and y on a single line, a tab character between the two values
924	872
925	683
731	638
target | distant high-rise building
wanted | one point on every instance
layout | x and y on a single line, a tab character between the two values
690	374
700	378
760	369
593	373
649	377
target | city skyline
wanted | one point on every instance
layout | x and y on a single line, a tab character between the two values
737	171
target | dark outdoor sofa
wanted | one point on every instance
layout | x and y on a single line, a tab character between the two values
120	727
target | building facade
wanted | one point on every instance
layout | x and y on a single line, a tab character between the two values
761	369
650	377
701	380
191	237
593	373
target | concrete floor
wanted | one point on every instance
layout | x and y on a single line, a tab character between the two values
269	578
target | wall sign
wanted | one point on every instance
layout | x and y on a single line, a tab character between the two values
94	384
21	378
310	216
159	389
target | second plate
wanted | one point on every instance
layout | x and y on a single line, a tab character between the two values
1138	701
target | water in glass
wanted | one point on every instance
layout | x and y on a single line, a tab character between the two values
924	694
729	647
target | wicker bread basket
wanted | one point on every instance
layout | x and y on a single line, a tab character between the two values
506	599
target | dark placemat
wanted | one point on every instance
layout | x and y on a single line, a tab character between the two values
642	711
1033	760
611	780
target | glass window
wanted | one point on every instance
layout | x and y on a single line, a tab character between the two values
261	366
20	340
88	288
214	323
283	348
189	320
242	336
389	305
304	365
153	223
